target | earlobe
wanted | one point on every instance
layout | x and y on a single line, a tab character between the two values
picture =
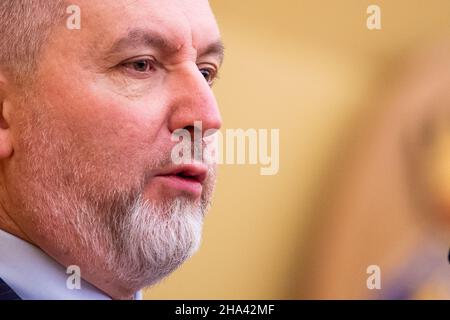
6	147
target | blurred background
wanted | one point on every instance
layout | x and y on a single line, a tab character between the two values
364	177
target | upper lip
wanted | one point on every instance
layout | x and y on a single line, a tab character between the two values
197	172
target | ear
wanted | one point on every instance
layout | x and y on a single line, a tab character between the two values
6	147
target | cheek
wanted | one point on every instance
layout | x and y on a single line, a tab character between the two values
115	135
113	118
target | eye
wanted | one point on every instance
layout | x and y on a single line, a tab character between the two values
210	74
139	66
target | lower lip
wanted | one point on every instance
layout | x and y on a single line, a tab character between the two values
180	184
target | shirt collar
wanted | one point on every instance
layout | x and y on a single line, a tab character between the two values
33	275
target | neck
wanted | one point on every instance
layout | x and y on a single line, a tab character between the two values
8	224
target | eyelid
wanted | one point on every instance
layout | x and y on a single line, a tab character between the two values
125	67
210	66
214	66
139	58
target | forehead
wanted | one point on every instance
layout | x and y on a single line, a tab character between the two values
183	22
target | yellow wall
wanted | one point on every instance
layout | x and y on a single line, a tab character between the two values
306	67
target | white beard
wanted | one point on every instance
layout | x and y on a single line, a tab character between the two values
139	242
155	239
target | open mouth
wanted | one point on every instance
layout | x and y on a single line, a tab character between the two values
190	175
186	178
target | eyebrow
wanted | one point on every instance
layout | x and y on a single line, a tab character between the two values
214	49
141	37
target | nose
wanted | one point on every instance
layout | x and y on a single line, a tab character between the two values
192	100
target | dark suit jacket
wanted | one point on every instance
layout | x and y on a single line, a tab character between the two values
6	293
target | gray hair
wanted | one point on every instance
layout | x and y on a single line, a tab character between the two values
25	26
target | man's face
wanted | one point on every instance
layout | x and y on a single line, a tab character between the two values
91	178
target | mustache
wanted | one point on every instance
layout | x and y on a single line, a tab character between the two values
165	162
